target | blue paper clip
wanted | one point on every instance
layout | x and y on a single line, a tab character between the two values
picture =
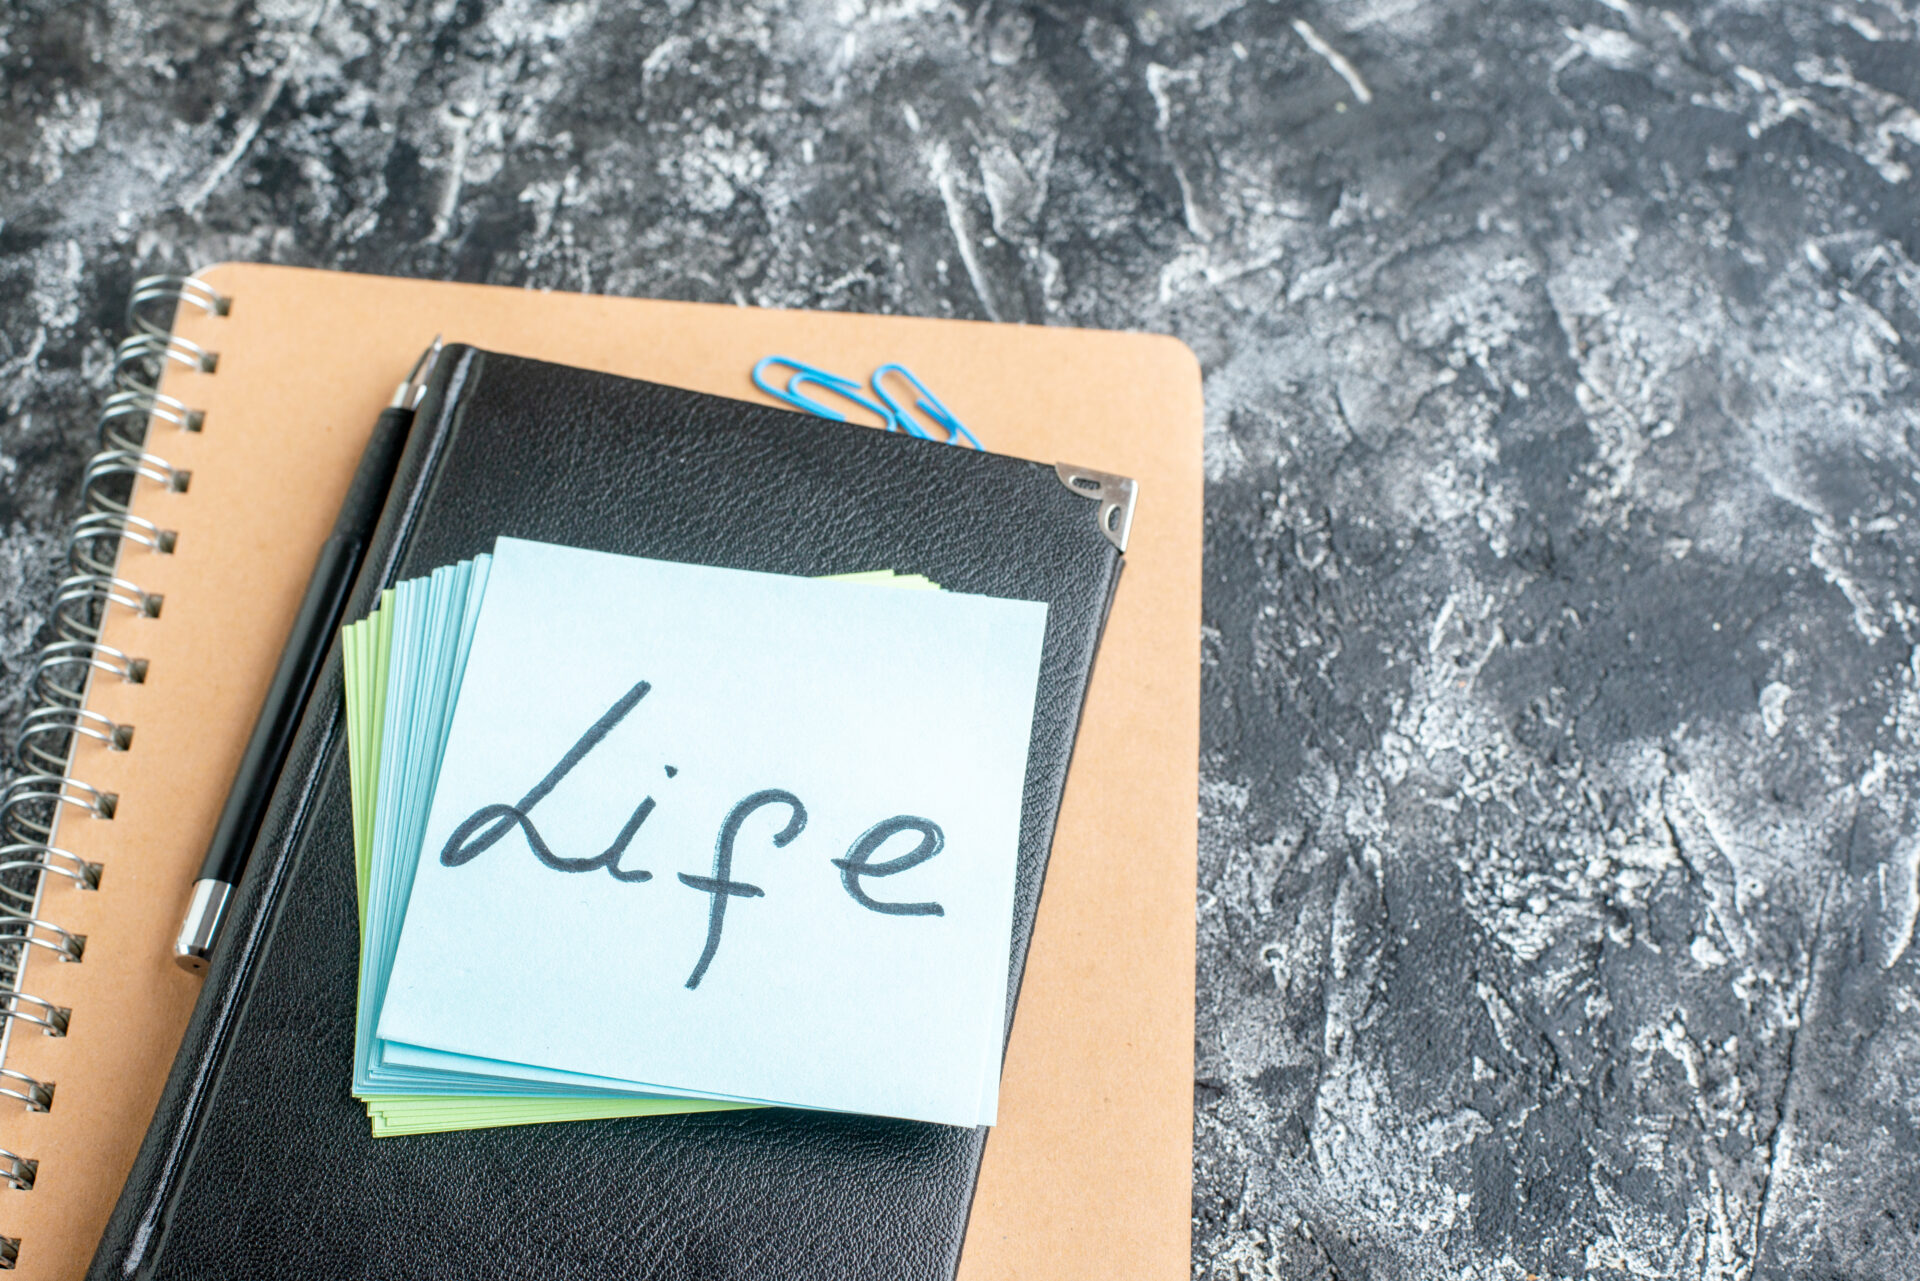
928	403
893	416
804	373
844	387
765	384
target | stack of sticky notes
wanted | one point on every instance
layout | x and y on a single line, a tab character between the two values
635	837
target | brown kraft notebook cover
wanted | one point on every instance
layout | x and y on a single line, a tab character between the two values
1088	1172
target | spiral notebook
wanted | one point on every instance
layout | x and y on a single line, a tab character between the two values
272	379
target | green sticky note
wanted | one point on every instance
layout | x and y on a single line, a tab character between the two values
438	613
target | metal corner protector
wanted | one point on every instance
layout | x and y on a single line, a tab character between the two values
1115	494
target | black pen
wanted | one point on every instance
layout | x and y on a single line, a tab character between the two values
307	646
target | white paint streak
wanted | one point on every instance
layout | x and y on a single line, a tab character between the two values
1606	46
250	124
960	223
462	127
1829	555
1773	707
664	55
1160	82
1335	59
1705	953
1901	938
1440	625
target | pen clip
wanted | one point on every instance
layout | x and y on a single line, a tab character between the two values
414	388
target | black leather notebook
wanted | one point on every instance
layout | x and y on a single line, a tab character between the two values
259	1163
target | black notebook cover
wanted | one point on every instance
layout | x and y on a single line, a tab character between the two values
259	1164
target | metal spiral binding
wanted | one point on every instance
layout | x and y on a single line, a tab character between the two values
41	789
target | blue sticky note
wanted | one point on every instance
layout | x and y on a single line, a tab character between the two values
727	834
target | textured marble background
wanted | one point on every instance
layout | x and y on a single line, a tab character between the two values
1558	832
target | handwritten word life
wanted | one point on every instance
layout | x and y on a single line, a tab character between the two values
485	827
